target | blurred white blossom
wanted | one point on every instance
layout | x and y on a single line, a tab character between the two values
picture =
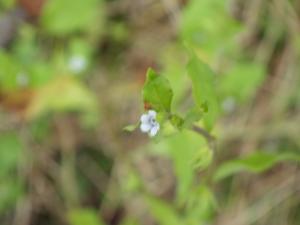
22	79
77	63
149	124
229	104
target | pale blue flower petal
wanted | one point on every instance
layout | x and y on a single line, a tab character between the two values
145	127
144	118
152	113
154	130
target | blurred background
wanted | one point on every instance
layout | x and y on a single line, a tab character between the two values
71	75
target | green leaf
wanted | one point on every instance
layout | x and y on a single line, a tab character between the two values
25	48
132	183
163	213
61	17
10	153
183	149
200	206
254	163
176	121
84	216
207	25
7	4
11	190
41	73
157	92
174	61
8	72
80	47
192	116
131	127
242	80
203	90
129	221
203	157
60	95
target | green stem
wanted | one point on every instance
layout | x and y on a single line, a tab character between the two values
199	130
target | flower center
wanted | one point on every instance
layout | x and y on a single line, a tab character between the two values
152	121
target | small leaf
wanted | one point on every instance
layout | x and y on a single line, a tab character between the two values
207	25
60	95
200	206
203	158
163	213
84	216
176	121
11	188
61	17
183	148
203	90
9	70
10	153
131	127
242	80
129	221
8	4
254	163
157	92
192	116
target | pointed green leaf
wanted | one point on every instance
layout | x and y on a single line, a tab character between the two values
242	80
10	153
60	95
84	216
203	157
183	150
192	116
163	213
254	163
131	127
157	92
176	121
200	206
60	17
203	90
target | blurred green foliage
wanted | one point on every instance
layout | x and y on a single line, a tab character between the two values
84	216
11	154
7	3
203	77
67	16
203	89
255	163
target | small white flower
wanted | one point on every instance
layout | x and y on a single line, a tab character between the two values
22	79
77	63
149	124
229	104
